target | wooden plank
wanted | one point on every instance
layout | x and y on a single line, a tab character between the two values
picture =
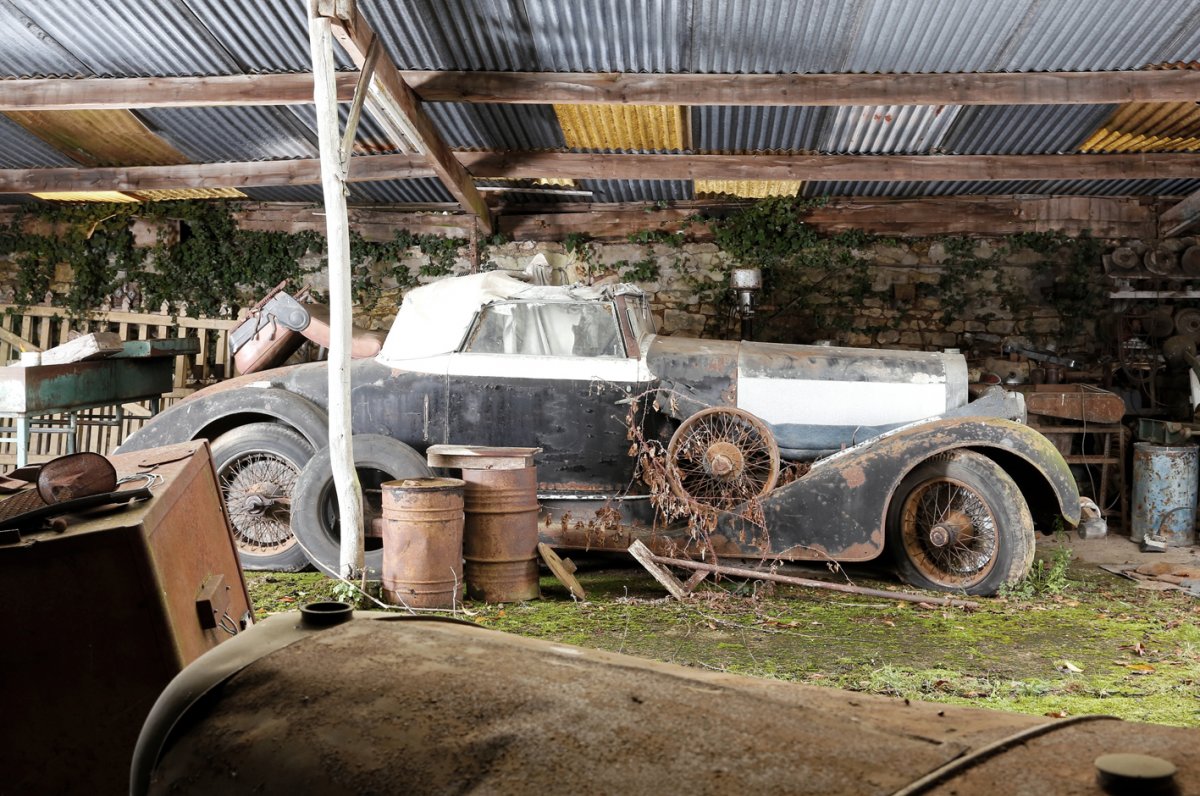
874	168
1181	217
207	175
394	105
643	556
981	88
87	346
164	92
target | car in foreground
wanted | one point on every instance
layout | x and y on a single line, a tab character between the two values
698	447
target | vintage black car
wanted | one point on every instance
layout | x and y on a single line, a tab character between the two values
783	452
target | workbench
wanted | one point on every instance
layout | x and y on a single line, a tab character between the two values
143	371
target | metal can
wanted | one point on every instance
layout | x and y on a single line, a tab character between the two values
501	534
423	542
1164	493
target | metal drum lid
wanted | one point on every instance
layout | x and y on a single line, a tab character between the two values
1187	320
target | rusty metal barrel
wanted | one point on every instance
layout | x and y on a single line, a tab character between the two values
501	534
423	542
1164	493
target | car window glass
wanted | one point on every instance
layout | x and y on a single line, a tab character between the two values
558	329
640	319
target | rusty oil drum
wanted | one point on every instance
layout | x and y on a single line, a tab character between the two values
423	542
1164	492
501	534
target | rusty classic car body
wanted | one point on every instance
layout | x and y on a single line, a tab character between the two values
895	454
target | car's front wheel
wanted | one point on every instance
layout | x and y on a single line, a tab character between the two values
257	467
958	522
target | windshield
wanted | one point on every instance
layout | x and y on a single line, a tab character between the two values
555	329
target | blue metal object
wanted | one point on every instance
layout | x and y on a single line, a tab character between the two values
1164	492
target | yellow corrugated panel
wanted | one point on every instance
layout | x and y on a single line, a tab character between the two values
1149	127
749	189
100	138
556	182
622	126
85	196
190	193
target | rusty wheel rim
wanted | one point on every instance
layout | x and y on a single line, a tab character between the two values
950	533
258	492
722	457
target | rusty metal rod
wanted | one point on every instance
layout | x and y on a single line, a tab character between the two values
812	584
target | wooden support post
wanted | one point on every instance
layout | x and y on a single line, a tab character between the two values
333	182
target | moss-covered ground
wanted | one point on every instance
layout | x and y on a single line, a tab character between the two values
1080	642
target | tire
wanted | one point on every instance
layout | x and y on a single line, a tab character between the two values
257	467
959	523
315	509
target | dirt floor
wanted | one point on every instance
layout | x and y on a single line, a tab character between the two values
1072	639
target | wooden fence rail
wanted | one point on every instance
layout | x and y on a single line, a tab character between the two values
46	327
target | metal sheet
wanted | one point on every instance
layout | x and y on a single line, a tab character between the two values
422	191
485	126
738	129
100	138
1149	127
27	50
1006	188
611	35
454	34
888	129
623	128
638	190
748	189
262	35
233	133
120	38
1022	129
21	149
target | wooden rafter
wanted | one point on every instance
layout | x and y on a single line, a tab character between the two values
104	93
981	88
1181	217
398	110
873	168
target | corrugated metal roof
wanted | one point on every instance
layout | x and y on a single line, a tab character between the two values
638	190
454	34
85	196
27	51
191	193
286	193
486	126
233	133
738	129
262	35
1022	129
21	149
1149	127
623	128
121	38
748	189
369	138
422	191
100	138
1006	188
888	129
611	35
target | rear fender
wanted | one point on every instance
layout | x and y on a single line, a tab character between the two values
839	509
207	416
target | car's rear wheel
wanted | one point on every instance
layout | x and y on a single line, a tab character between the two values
958	522
257	467
315	511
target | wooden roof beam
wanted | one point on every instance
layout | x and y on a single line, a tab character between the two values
872	168
979	88
398	110
983	88
583	166
256	174
104	93
1181	217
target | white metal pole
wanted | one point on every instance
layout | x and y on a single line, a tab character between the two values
333	181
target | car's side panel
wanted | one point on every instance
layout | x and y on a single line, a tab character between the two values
839	508
694	374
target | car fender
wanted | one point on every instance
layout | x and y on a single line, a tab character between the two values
208	415
838	509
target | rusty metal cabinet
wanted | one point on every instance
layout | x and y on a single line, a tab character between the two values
100	617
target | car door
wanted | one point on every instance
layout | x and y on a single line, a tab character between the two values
557	375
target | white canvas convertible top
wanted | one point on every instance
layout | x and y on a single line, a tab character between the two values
434	318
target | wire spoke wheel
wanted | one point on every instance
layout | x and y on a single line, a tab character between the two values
949	532
258	494
958	522
722	457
